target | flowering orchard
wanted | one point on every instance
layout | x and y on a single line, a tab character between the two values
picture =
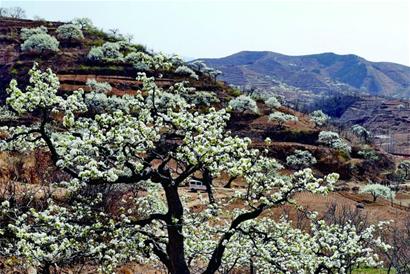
153	143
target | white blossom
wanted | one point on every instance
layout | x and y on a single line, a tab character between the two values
69	32
319	118
151	144
244	103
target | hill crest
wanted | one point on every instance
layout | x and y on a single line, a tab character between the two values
323	72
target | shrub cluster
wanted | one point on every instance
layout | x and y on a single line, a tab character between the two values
244	103
319	118
100	87
141	61
70	32
368	154
282	118
273	102
361	133
38	40
203	98
300	159
109	51
202	68
333	140
6	114
186	71
25	33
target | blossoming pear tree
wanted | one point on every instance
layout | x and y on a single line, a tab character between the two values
319	118
361	133
152	143
282	118
378	190
244	103
70	32
273	102
333	140
300	159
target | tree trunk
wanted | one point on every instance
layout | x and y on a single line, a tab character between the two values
175	246
251	267
229	183
46	268
216	258
207	180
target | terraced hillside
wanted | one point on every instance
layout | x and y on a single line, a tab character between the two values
71	63
388	119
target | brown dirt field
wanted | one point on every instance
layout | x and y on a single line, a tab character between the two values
381	210
303	123
378	211
403	198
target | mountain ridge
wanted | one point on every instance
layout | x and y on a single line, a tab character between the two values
322	72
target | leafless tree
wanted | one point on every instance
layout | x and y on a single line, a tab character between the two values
336	214
114	32
13	12
398	256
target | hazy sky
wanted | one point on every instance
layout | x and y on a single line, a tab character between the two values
375	30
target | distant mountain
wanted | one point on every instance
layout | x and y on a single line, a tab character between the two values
325	72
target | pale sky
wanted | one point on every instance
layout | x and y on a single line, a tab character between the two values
378	30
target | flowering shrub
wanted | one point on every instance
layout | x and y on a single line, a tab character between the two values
319	118
202	68
95	54
156	141
369	154
161	61
361	133
140	60
328	137
378	190
70	32
184	70
25	33
99	87
37	40
145	62
300	159
137	56
244	103
273	102
6	114
333	140
40	43
281	118
109	51
83	23
203	98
